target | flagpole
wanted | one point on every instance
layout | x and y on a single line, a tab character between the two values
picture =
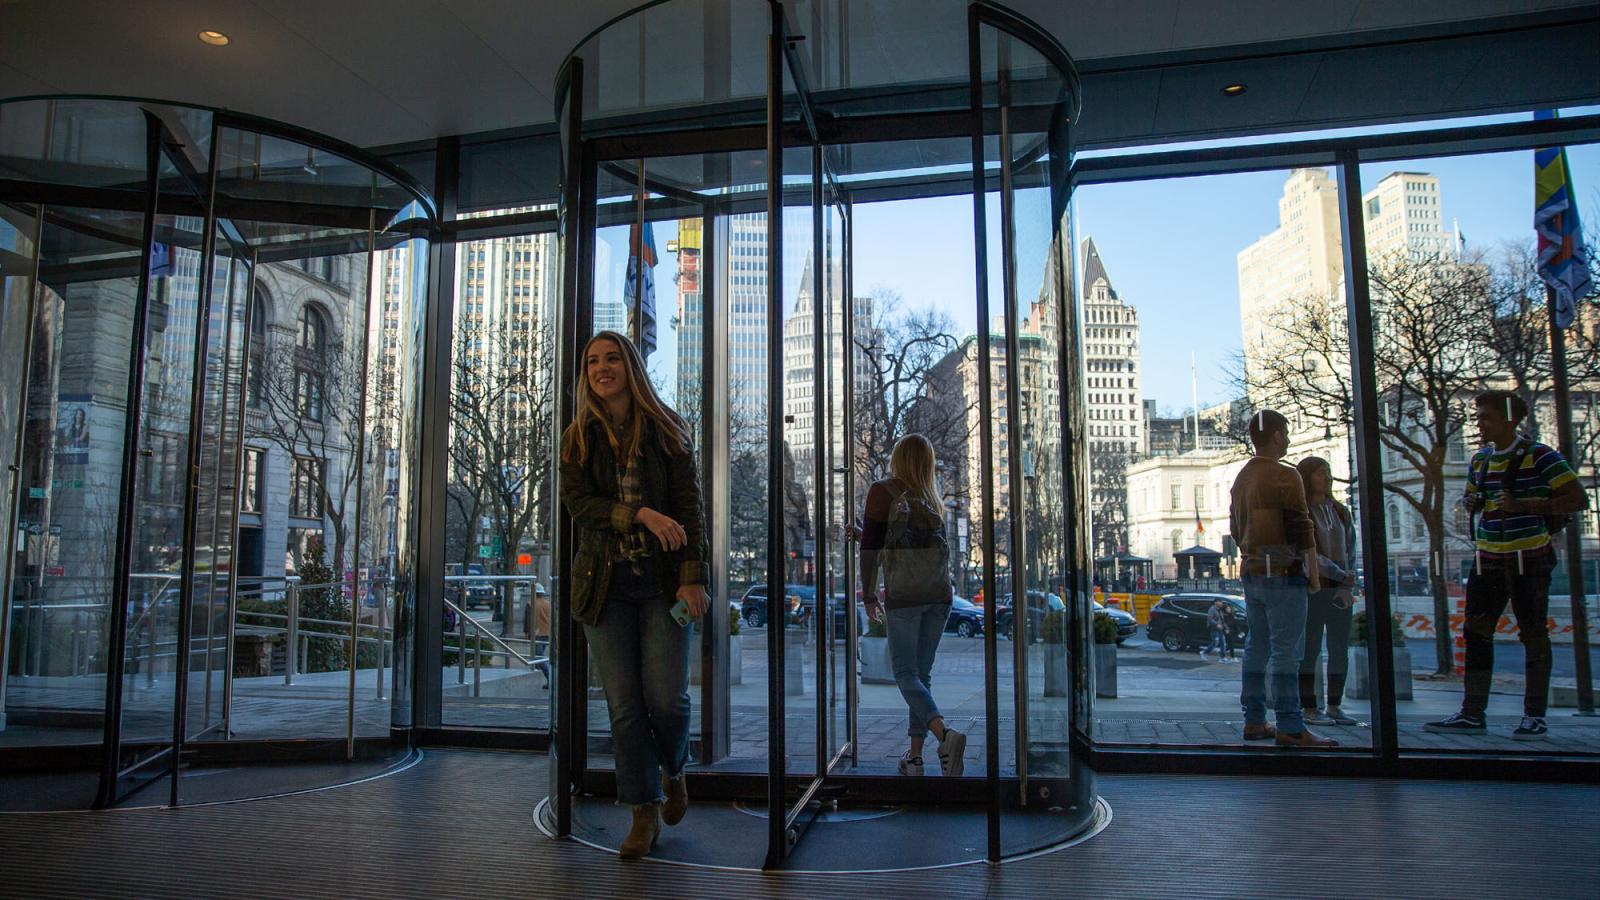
1580	614
1194	392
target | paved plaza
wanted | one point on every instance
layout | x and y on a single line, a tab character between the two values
1164	700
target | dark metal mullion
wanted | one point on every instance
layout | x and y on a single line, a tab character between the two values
716	667
238	493
636	253
584	238
819	469
777	770
361	478
847	354
1015	493
570	316
198	379
433	455
980	246
1369	468
107	794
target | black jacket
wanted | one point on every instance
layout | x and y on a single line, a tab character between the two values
589	492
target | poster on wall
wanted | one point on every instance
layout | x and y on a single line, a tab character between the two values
72	428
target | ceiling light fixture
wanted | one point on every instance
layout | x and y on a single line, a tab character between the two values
214	38
1233	90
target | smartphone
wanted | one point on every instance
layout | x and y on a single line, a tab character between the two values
680	612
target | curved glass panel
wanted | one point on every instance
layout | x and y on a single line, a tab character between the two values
281	291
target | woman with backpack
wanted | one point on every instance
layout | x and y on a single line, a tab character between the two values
629	481
1328	609
903	536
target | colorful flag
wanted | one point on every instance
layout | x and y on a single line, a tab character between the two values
1563	260
1199	526
642	282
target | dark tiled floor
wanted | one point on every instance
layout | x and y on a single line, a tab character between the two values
460	824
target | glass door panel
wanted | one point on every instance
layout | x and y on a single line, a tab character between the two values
69	483
158	488
1040	554
804	641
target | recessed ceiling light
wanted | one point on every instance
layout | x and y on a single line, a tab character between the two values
214	38
1233	90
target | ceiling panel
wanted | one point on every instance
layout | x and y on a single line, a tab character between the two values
377	72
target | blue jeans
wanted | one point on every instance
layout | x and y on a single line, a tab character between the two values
1276	609
1219	640
642	656
914	633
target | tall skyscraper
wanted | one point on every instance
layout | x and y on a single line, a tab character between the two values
1117	432
1111	351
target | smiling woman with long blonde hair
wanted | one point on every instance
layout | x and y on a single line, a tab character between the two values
629	481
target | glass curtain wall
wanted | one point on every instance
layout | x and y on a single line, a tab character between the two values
1459	309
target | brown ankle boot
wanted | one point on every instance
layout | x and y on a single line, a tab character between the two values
642	836
677	791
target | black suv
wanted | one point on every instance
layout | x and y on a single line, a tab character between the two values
1178	621
753	606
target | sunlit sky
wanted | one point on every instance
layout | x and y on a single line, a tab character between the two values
1169	246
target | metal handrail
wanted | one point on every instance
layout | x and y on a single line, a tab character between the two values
536	663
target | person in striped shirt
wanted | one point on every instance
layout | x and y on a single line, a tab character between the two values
1514	558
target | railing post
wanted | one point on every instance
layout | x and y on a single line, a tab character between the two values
382	616
461	647
291	638
477	664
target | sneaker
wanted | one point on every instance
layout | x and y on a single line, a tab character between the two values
952	752
1336	716
910	765
1531	729
1314	716
1460	723
1203	655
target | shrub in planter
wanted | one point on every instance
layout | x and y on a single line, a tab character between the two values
1359	666
1105	630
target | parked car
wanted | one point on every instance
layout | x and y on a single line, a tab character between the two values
753	605
1178	621
1038	602
1127	625
965	619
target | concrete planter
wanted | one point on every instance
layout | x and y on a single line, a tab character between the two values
1105	670
875	665
1362	688
735	661
1055	670
794	656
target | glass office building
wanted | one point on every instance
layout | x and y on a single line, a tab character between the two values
282	416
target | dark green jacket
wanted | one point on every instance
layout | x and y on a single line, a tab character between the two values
589	493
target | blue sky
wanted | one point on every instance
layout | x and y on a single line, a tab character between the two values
1170	247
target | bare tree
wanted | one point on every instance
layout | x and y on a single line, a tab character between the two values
1108	493
501	442
1428	350
910	384
310	394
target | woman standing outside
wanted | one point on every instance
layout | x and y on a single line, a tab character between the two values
1329	608
629	481
902	535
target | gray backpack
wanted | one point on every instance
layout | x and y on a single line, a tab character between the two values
916	554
